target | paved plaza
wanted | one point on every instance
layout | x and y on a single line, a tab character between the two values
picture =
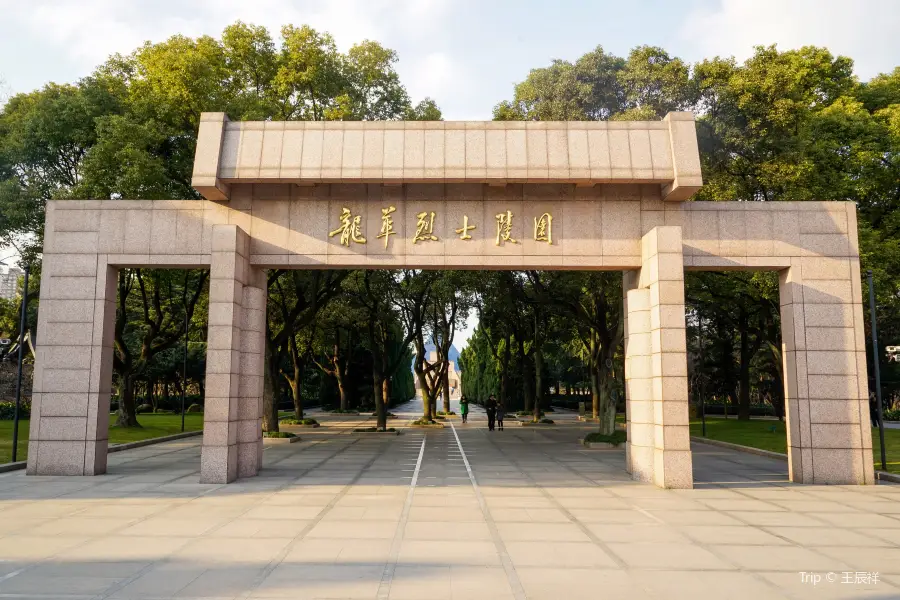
457	513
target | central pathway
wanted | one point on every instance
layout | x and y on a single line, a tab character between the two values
453	513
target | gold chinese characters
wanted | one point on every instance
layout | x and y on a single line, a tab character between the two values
464	230
350	228
504	228
425	228
543	228
387	224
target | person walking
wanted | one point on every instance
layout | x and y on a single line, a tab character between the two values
500	413
873	409
464	409
491	408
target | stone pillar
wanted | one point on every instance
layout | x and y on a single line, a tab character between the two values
825	375
253	344
658	448
232	434
73	367
639	421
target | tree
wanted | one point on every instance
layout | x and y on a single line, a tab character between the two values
148	322
375	292
297	298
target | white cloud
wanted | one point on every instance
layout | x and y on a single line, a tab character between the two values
434	75
86	32
864	30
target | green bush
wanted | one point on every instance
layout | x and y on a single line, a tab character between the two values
891	414
8	410
373	430
194	408
144	408
279	434
340	411
424	421
547	421
298	422
527	413
618	437
441	413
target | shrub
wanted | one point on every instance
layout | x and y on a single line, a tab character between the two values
143	408
615	439
113	407
547	421
424	421
441	413
194	408
279	434
298	422
373	430
8	410
341	411
527	413
891	414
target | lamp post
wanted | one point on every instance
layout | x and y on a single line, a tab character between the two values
184	353
877	369
15	443
700	365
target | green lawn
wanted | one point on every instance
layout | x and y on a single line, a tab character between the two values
153	426
770	435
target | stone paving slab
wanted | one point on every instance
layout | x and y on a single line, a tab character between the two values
459	513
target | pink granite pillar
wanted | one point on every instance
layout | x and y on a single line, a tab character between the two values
658	448
232	435
74	354
825	375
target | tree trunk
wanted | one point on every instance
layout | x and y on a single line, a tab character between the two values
127	413
606	410
595	393
294	384
744	385
387	392
528	384
538	383
270	393
446	386
504	378
342	388
378	390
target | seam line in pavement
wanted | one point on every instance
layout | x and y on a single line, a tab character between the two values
565	511
390	567
273	564
511	575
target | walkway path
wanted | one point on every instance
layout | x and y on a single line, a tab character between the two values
457	513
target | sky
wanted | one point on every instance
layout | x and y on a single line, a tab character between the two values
466	54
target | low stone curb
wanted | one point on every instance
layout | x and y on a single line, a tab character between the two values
117	447
429	426
879	475
151	441
6	467
267	441
376	432
739	448
597	445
